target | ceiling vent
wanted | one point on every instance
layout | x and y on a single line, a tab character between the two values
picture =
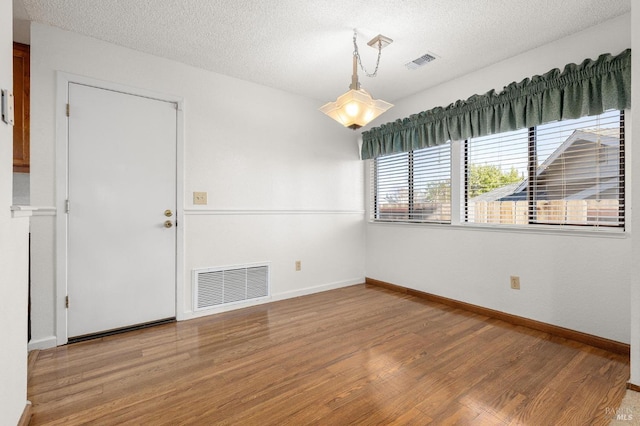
419	62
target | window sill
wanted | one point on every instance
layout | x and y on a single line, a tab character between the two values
559	230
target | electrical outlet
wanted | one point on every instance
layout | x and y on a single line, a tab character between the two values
298	265
515	282
200	198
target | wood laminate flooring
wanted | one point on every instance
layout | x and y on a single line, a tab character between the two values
356	355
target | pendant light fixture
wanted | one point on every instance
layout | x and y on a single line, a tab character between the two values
357	108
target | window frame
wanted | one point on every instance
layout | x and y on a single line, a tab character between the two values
412	215
459	176
533	189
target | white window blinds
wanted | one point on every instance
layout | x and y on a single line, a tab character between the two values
568	172
413	186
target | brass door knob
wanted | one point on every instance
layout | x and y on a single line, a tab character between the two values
168	213
168	224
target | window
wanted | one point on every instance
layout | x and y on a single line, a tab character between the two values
413	186
569	172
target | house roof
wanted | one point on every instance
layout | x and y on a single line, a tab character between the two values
497	193
600	187
516	191
604	136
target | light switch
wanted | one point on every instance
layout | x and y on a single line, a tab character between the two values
200	198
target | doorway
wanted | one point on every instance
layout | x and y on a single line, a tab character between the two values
120	210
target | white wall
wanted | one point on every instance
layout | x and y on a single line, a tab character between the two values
635	202
284	182
13	258
283	190
570	280
21	189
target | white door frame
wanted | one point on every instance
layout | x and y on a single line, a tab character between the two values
62	186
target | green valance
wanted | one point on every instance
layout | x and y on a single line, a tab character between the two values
586	89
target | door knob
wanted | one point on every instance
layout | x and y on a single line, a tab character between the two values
168	224
168	213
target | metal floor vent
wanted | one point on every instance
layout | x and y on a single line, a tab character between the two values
215	287
418	62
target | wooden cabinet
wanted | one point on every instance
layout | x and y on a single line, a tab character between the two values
21	73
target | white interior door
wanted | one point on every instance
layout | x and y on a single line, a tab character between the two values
122	178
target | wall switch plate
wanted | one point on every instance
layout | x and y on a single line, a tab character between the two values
515	282
7	107
298	265
200	198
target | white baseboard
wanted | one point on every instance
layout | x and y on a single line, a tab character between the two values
45	343
316	289
51	342
187	315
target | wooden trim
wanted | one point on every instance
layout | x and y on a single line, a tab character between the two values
25	419
633	387
31	362
578	336
22	129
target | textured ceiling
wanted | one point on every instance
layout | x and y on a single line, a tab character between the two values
305	46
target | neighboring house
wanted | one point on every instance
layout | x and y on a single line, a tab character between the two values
577	184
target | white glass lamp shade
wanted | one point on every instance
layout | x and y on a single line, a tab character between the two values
355	109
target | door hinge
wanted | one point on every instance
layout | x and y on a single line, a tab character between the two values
66	302
66	206
67	110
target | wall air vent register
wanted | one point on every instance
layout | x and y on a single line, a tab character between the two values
223	286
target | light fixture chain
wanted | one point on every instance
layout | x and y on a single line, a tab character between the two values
357	54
